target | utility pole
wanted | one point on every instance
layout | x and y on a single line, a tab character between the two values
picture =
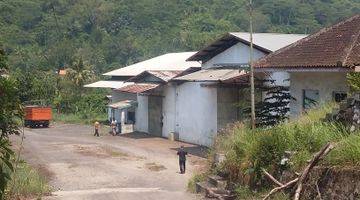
252	84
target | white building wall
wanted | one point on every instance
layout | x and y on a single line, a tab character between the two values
169	109
141	114
239	53
325	82
196	113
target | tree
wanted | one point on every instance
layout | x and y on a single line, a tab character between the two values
10	115
79	73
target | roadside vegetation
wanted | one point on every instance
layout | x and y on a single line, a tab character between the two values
248	152
27	182
17	179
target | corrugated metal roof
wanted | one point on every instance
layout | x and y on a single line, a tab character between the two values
123	104
170	61
335	46
107	84
270	41
266	42
138	88
212	75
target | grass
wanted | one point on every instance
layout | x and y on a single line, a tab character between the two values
196	178
72	118
27	182
249	151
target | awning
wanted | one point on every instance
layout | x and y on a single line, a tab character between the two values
123	104
107	84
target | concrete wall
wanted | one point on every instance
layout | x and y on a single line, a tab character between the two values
325	82
190	110
239	53
169	109
141	114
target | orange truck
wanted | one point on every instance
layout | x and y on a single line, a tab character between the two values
37	116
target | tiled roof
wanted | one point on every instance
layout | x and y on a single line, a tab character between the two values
137	88
335	46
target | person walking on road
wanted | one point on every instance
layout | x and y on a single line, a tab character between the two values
182	159
97	127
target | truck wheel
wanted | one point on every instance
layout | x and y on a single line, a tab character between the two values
46	124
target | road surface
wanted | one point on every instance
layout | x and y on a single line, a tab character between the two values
81	166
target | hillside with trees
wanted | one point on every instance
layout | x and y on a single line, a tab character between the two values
107	34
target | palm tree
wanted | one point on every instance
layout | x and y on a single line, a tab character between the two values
79	73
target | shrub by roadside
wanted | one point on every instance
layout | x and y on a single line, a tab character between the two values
27	182
249	151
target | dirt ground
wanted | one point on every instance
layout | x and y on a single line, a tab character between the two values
136	166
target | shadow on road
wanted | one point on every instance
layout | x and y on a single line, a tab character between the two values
137	135
199	151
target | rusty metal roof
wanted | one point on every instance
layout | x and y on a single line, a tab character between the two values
163	75
335	46
137	87
212	75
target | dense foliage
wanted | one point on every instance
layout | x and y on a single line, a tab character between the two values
10	116
52	34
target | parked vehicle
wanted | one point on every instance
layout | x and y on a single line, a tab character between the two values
37	116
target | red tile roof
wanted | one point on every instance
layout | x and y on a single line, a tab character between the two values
137	88
335	46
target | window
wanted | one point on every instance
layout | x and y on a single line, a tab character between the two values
339	96
310	98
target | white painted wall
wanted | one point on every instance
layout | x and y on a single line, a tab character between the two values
169	109
239	53
196	113
325	82
141	114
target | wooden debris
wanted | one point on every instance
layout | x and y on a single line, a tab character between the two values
323	152
272	178
298	182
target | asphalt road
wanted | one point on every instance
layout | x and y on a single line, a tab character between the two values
81	166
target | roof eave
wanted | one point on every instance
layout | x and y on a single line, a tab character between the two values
305	69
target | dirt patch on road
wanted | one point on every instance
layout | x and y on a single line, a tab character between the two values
155	167
99	151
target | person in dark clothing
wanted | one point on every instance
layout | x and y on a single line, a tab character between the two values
96	127
182	159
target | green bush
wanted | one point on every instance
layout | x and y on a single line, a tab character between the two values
249	151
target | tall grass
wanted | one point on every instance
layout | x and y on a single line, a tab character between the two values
27	182
249	151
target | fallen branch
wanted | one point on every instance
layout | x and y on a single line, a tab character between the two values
323	152
272	178
318	191
277	189
298	182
